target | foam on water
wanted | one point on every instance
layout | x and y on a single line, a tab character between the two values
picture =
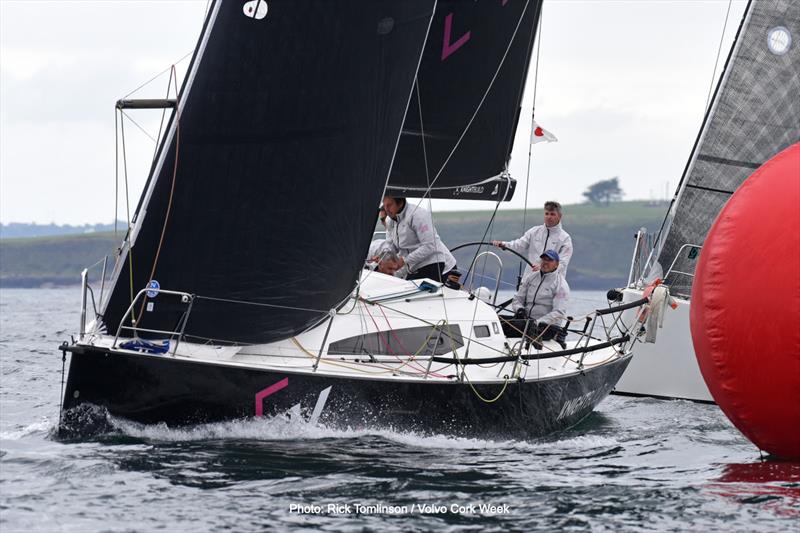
45	425
281	428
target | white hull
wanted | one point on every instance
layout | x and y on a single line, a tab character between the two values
668	368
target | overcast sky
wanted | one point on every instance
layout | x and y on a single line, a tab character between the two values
622	84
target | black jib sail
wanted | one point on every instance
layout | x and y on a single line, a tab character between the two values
755	114
461	121
262	199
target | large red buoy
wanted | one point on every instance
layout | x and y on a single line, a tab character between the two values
745	311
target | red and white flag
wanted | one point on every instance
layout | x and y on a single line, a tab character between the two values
541	135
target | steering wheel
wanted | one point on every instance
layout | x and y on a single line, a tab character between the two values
481	243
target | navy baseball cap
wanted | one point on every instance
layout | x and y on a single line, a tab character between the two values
550	254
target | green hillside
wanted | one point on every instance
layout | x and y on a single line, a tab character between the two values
602	236
59	260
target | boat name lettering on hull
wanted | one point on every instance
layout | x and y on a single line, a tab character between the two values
576	404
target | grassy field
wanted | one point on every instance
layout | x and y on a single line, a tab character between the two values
602	236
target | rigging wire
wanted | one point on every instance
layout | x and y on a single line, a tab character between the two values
138	126
430	204
533	116
171	196
169	68
259	304
433	324
530	132
719	51
164	112
116	173
119	131
127	210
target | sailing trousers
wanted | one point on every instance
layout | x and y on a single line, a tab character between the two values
432	271
513	328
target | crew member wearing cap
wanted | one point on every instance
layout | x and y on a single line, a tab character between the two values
541	301
548	236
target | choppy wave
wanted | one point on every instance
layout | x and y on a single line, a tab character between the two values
43	426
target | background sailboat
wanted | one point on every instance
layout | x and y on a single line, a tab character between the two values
755	113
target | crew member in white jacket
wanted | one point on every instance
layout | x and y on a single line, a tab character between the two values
540	301
548	236
410	233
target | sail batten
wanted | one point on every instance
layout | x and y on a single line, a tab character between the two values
266	185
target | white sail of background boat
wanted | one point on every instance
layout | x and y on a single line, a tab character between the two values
240	291
755	113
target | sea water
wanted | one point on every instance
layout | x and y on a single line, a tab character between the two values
633	464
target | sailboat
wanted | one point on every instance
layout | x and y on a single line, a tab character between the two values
755	113
239	290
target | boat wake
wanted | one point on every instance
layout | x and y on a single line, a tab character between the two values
90	422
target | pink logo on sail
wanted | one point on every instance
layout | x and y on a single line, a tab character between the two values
448	47
272	389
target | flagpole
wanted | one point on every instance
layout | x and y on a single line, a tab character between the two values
530	144
533	115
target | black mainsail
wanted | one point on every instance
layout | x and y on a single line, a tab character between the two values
262	199
755	114
460	126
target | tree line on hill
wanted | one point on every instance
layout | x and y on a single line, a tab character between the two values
21	230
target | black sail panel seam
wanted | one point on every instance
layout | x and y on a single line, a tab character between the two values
709	189
731	162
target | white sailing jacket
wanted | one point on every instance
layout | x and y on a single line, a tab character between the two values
377	247
539	239
413	237
544	296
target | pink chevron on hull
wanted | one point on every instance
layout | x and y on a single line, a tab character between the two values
272	389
